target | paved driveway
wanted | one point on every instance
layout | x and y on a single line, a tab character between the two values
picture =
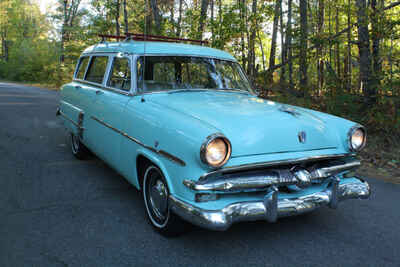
58	211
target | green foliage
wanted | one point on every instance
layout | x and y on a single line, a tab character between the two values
33	42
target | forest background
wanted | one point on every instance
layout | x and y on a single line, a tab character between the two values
340	57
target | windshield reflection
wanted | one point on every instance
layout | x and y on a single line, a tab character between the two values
166	73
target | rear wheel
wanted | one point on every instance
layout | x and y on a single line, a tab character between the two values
155	196
78	149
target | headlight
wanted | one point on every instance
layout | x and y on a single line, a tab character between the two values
216	150
357	138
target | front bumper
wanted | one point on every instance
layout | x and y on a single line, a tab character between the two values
272	206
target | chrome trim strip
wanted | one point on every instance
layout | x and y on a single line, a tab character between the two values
104	87
78	124
62	114
270	208
259	165
334	169
160	152
261	181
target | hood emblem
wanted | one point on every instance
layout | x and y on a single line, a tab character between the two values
289	110
302	137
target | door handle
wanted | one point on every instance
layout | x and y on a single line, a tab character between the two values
99	92
78	87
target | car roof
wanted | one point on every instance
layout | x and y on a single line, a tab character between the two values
161	48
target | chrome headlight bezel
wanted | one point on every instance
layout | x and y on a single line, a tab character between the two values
207	142
350	136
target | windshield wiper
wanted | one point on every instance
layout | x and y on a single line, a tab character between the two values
235	90
185	90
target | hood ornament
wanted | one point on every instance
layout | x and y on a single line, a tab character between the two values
302	137
290	110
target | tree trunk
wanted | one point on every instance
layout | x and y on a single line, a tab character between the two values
220	21
376	32
156	14
278	4
212	21
391	63
364	51
262	50
246	22
337	49
62	57
303	45
203	17
289	43
125	18
330	32
320	29
283	46
252	53
242	26
117	26
4	45
179	26
349	65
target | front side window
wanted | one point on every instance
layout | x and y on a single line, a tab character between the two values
80	74
97	69
120	75
163	73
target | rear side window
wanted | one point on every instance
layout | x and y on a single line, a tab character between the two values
97	69
120	75
82	68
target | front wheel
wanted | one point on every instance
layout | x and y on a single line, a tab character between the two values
155	195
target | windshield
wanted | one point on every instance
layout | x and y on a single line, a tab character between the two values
164	73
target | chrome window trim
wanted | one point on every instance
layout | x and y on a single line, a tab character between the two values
105	75
103	87
137	56
257	165
112	58
159	152
78	65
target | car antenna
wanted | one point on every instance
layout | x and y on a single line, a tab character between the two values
144	49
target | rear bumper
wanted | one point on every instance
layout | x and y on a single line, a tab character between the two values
270	208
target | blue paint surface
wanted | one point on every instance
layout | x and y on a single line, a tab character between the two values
179	123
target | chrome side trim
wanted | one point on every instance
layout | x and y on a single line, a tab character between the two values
78	124
97	85
261	181
270	208
260	165
160	152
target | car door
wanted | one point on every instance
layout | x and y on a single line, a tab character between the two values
107	107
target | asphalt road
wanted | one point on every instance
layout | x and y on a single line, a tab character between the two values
58	211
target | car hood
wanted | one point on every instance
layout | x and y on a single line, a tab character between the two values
253	125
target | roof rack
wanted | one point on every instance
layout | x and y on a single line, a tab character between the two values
149	38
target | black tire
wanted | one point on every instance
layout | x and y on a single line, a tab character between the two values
155	195
78	149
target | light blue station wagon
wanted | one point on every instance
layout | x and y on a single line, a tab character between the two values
182	124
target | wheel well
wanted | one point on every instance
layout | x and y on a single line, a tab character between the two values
141	164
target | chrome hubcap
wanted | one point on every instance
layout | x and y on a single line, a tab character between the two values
75	143
158	199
